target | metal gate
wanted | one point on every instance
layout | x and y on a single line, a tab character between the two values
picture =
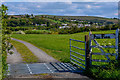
102	52
76	57
93	51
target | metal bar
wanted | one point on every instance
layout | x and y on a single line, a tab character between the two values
78	40
78	53
78	65
104	46
60	66
70	49
68	68
98	60
101	49
113	54
117	43
102	36
54	66
78	48
78	58
78	61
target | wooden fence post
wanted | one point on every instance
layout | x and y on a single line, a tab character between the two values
87	53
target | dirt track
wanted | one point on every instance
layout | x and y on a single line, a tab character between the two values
43	57
14	58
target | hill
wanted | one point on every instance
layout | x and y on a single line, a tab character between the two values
84	18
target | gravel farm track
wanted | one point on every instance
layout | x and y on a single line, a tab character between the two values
43	58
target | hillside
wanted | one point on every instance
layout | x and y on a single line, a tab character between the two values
80	18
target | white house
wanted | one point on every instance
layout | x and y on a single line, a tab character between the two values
73	20
80	25
74	24
64	24
87	25
43	25
64	27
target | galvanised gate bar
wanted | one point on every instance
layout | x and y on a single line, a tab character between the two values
75	59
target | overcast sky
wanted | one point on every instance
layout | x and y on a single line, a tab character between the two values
101	9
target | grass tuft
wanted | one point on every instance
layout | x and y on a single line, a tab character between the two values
26	54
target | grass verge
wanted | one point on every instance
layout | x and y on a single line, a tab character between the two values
26	54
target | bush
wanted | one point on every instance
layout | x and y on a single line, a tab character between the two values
7	31
110	72
38	32
18	32
20	28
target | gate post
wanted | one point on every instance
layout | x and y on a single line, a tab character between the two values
118	45
87	53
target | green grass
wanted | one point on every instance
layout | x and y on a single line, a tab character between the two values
42	30
55	21
58	45
26	54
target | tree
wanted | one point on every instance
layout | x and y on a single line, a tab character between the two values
4	9
5	40
32	15
27	16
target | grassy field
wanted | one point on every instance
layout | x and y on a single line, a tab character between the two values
58	45
26	54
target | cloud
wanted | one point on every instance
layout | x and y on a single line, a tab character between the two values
60	0
38	6
23	8
97	6
88	6
12	13
116	14
74	6
63	8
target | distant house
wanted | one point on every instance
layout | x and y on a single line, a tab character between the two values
97	26
37	24
73	20
74	24
43	25
64	24
32	16
87	25
81	21
51	24
17	16
80	25
61	27
64	27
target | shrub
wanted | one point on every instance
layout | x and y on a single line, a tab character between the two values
38	32
111	71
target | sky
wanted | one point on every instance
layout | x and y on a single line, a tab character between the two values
60	0
101	9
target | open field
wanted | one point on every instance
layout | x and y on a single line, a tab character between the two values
26	54
58	45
